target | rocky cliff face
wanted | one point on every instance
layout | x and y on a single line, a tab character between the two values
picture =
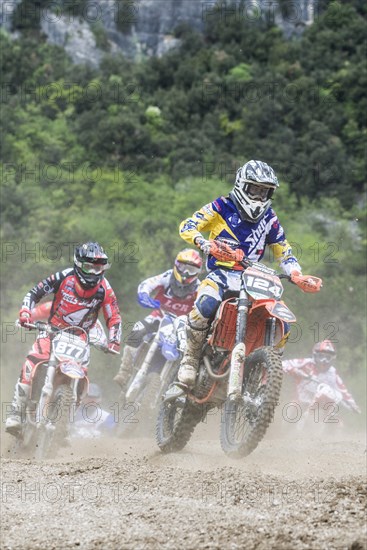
145	27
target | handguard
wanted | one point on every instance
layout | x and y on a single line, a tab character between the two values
307	283
224	253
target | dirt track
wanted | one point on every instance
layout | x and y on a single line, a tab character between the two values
113	494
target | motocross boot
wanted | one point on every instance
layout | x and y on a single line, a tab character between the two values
14	421
189	367
126	368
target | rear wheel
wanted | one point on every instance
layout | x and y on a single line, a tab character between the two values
246	420
176	419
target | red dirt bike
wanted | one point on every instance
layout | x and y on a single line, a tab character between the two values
240	369
322	404
58	385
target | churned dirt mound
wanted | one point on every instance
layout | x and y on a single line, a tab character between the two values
108	493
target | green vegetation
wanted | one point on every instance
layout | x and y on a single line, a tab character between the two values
124	152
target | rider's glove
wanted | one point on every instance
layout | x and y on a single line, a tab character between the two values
146	301
203	244
220	250
24	315
114	347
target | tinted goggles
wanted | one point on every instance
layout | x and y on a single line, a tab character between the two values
258	192
187	270
94	268
324	358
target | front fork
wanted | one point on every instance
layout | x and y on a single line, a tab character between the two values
270	331
46	392
239	351
140	376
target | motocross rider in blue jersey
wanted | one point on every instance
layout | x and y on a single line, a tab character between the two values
246	221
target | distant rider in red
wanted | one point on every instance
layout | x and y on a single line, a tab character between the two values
312	374
79	294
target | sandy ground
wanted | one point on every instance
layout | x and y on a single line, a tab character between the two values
292	493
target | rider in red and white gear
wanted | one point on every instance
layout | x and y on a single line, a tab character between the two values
173	291
79	294
311	372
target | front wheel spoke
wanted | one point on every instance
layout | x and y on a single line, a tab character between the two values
240	423
246	414
174	417
250	417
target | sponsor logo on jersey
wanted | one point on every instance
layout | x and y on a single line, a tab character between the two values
190	225
207	209
257	233
234	220
72	299
177	306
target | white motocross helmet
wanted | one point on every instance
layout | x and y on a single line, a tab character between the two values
254	186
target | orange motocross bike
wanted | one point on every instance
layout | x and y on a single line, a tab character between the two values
240	369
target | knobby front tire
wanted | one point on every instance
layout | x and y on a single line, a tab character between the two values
58	413
244	425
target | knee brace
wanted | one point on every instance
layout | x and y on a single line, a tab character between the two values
200	318
207	306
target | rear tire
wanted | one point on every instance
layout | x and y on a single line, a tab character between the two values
244	424
176	421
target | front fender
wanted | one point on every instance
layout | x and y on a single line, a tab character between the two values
277	309
169	351
72	369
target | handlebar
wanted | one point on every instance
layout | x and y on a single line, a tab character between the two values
223	250
41	326
38	325
103	348
245	263
307	283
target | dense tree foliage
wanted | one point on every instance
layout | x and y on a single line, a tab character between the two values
240	90
124	152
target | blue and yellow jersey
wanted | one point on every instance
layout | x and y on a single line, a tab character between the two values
221	219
